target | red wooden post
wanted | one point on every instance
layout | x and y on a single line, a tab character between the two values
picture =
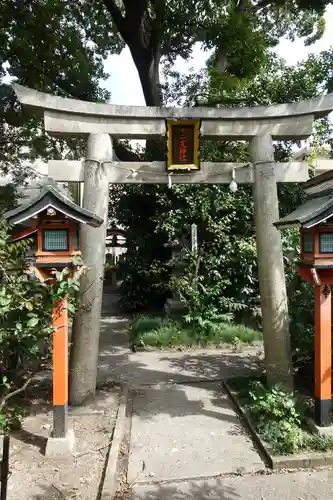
323	359
60	368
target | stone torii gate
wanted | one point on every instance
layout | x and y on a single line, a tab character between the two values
259	125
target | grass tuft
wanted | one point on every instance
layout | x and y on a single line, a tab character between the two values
164	332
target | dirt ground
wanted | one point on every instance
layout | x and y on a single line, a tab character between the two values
36	477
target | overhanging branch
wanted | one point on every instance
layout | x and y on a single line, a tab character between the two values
261	5
117	17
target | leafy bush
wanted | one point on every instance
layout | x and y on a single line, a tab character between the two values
279	418
25	321
164	332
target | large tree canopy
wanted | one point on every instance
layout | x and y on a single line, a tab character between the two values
60	46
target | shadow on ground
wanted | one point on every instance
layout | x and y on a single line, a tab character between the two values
173	370
170	371
189	491
30	438
52	493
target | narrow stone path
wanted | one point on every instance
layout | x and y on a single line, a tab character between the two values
187	431
301	485
183	425
117	362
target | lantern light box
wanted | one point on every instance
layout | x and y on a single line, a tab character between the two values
183	145
53	221
315	220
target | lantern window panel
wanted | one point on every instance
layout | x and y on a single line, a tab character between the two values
307	242
55	240
326	242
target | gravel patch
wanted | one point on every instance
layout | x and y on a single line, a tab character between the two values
36	477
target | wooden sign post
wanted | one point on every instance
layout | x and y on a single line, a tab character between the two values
60	368
323	355
194	238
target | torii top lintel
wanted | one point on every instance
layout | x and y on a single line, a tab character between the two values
66	116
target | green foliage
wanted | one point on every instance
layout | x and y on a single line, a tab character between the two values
145	268
161	332
25	320
279	417
52	46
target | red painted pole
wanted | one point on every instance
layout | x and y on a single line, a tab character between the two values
60	368
323	356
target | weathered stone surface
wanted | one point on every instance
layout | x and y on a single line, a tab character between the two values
319	106
74	117
186	431
64	446
240	129
86	326
273	294
293	486
63	124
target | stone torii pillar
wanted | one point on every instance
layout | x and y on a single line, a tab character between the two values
273	293
86	325
260	125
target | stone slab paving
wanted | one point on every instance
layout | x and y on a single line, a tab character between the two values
292	486
186	431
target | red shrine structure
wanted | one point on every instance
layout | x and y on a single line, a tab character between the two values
52	221
315	221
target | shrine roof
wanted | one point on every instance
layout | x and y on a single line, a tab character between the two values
319	185
314	211
49	195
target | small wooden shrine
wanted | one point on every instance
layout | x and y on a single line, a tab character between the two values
314	218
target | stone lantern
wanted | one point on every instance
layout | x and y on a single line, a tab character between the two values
315	222
52	221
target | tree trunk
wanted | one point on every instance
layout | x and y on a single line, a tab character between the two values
147	65
148	69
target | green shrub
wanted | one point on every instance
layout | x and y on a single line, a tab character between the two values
279	417
164	332
142	324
